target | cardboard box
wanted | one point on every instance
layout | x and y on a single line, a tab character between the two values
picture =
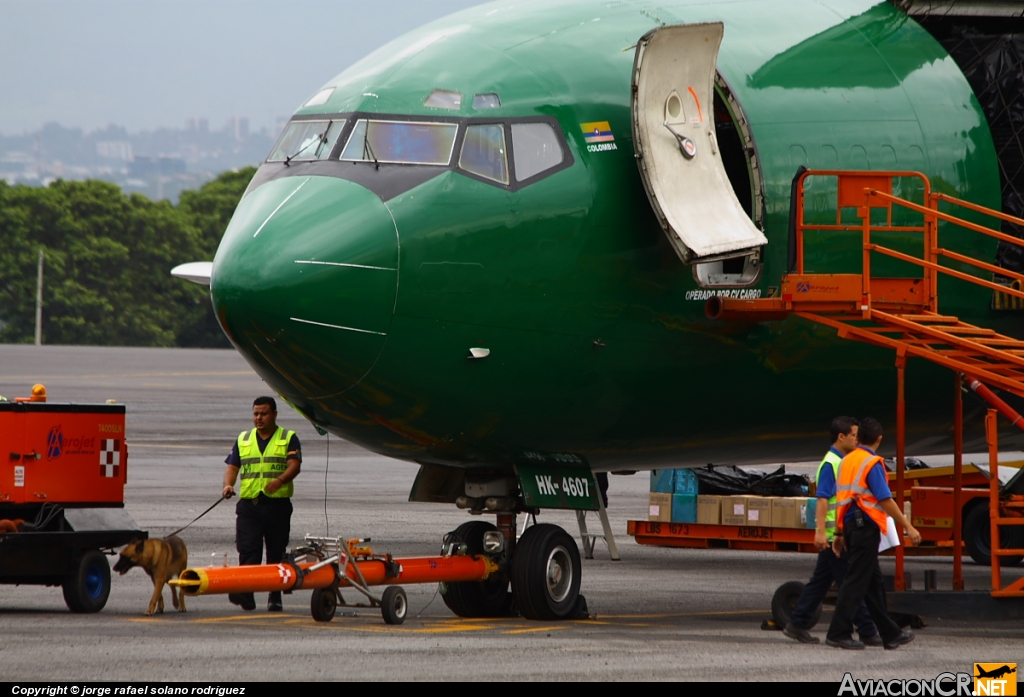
709	509
788	512
685	482
663	481
734	510
759	511
684	508
660	507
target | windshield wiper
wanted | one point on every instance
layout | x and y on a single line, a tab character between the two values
367	150
320	139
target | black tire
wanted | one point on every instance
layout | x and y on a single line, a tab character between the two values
394	606
977	535
476	598
322	604
87	588
546	573
784	602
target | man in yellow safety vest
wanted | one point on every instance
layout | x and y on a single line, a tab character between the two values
831	567
268	458
864	505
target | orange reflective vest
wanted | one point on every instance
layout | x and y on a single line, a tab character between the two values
852	488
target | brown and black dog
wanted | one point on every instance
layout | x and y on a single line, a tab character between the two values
162	560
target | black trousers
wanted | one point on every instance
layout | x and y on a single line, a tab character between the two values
259	522
828	569
863	583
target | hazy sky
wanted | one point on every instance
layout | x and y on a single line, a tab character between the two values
150	63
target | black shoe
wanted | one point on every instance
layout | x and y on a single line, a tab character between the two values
873	640
905	637
274	606
848	643
800	634
243	600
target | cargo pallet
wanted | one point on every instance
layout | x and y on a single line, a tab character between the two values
745	537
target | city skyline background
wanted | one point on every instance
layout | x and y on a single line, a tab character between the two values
150	64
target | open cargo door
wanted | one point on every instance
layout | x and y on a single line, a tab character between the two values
674	136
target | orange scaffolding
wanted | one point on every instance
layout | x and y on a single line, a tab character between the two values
902	314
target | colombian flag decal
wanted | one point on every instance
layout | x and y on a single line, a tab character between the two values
597	132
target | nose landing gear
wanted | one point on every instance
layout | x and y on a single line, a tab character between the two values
543	567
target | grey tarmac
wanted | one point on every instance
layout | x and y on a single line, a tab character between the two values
661	614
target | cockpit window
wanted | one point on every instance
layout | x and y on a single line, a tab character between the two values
489	100
444	99
307	140
401	142
483	152
535	148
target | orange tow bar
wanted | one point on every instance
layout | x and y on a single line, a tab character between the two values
265	578
326	565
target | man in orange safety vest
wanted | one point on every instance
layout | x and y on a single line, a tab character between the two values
864	503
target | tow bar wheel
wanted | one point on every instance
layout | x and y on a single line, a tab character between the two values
546	573
323	603
394	606
87	587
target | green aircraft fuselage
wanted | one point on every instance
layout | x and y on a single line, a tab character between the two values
357	286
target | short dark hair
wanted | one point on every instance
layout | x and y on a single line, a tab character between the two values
265	400
842	425
870	431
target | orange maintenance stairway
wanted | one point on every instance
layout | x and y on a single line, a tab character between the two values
903	314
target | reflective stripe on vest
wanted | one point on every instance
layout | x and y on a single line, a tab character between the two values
852	488
830	515
257	468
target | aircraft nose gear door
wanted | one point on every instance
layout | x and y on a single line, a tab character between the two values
674	136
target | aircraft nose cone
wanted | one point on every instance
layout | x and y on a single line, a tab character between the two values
304	283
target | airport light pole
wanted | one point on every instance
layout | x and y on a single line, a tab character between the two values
39	300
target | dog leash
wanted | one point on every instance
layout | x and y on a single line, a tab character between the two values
200	515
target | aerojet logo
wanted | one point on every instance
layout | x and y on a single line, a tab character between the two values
54	443
945	685
995	679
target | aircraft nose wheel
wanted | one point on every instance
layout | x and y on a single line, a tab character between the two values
546	573
394	606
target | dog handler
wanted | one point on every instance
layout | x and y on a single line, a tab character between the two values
864	502
269	458
830	567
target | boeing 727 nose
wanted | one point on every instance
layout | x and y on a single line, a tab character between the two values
304	282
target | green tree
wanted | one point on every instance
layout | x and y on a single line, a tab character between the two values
108	262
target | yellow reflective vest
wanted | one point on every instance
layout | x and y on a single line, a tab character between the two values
830	515
257	469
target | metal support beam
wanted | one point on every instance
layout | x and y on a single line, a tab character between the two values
958	486
992	436
901	438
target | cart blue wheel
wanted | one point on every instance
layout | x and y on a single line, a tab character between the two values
87	587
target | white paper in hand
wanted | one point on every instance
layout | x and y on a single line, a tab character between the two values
891	538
